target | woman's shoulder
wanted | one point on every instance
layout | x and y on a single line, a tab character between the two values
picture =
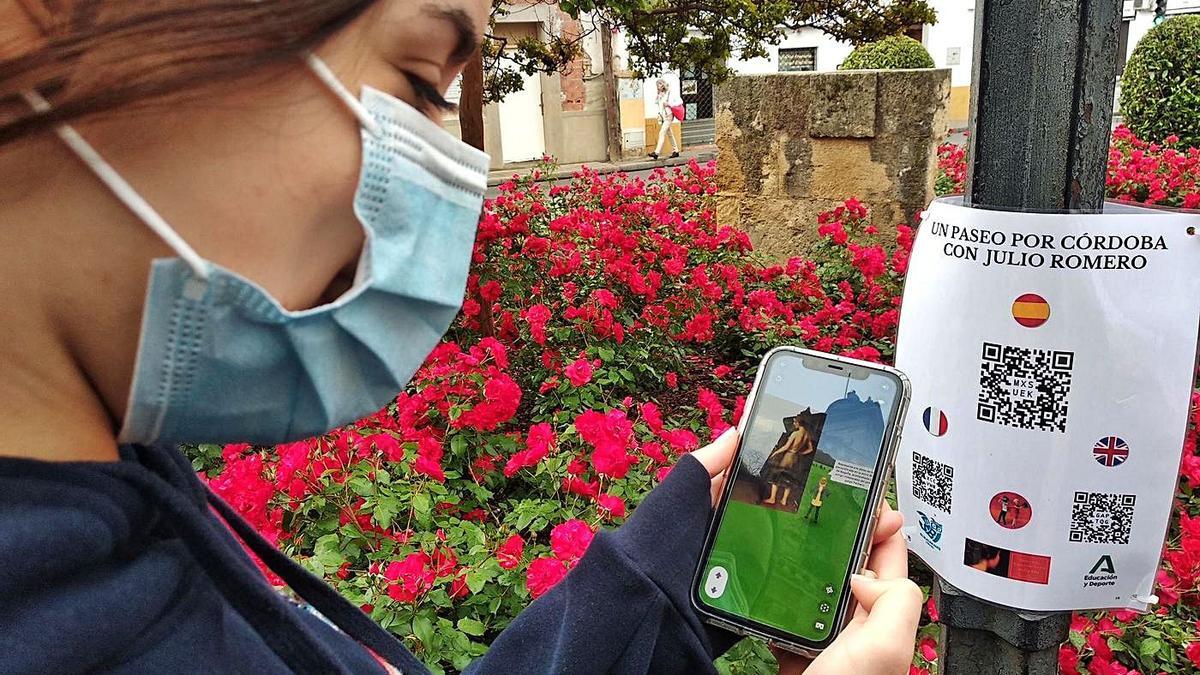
86	555
81	557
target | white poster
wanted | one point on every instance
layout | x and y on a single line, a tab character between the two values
1051	359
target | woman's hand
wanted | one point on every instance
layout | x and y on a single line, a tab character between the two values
716	457
879	639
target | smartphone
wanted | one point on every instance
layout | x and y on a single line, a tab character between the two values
818	439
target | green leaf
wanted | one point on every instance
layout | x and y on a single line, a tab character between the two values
326	551
471	627
362	486
461	660
386	510
476	580
1149	647
422	507
423	629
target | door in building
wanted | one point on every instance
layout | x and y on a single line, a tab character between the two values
696	90
522	136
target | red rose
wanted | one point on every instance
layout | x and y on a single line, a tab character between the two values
234	450
542	574
613	505
410	577
577	486
928	649
610	434
458	587
1193	653
386	444
570	540
537	445
490	292
1099	645
1068	659
579	372
510	552
429	459
537	316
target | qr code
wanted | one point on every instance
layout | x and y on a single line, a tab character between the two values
1101	518
932	482
1024	387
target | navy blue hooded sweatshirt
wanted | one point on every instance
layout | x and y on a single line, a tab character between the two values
123	567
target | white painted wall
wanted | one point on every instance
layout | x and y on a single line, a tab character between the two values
956	29
953	32
592	44
1142	19
830	53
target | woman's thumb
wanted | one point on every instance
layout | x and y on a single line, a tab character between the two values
889	602
716	455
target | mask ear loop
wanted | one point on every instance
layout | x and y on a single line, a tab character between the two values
329	79
123	190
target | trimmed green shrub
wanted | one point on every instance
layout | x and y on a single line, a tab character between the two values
890	53
1160	90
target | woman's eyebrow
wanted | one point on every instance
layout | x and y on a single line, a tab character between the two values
464	27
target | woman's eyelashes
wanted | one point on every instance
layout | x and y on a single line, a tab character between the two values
428	95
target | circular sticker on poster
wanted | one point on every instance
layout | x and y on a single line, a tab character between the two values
1031	310
1010	510
935	421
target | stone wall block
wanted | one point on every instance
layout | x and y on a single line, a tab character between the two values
847	105
795	144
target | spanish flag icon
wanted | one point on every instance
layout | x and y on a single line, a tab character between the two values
1031	310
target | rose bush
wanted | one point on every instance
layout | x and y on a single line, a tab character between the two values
1163	174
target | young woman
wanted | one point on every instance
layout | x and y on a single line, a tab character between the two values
231	221
666	102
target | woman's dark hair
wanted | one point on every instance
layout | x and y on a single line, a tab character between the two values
92	56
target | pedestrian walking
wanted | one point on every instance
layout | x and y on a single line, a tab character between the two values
670	110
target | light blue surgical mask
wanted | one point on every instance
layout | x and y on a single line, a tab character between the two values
220	360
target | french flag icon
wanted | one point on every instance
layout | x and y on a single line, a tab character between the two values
935	421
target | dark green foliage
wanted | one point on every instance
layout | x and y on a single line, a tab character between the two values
890	53
1160	90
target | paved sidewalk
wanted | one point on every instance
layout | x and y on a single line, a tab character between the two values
701	153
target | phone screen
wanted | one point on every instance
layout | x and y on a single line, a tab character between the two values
811	448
